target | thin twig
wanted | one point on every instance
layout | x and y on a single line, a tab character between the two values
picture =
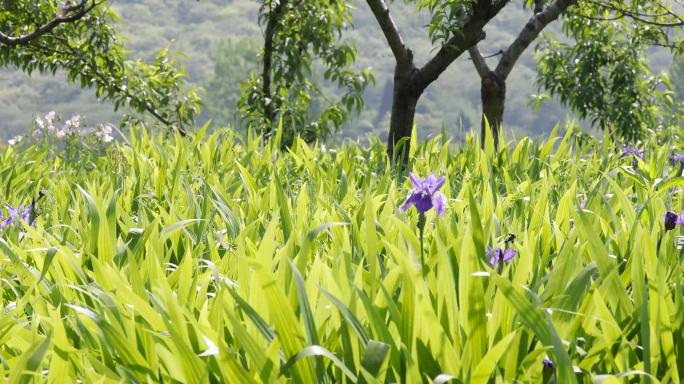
64	17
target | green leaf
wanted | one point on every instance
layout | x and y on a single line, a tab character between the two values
285	217
533	319
373	358
167	231
316	350
26	367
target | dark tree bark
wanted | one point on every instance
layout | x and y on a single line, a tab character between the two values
274	17
493	95
493	85
404	101
411	81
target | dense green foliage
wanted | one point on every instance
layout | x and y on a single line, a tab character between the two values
219	259
197	28
603	74
301	37
89	51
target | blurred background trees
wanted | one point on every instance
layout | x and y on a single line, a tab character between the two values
82	41
222	42
604	75
302	49
233	60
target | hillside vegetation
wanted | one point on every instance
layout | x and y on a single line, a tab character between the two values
195	30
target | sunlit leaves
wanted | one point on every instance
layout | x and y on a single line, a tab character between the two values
247	264
447	18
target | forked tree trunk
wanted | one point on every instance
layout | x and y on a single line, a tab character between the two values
493	95
410	81
493	87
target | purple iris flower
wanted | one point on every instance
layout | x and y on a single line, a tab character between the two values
671	219
498	255
583	204
548	364
677	159
425	195
13	214
634	152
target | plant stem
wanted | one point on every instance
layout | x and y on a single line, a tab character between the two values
681	169
421	231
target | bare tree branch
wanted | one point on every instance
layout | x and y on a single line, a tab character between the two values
389	29
479	61
69	14
528	34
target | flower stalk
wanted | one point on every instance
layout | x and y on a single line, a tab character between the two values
421	232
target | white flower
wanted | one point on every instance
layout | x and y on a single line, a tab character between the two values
71	126
104	135
61	134
50	121
40	123
14	141
74	122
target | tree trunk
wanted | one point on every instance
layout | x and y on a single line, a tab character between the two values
404	100
401	124
274	16
493	94
409	80
493	90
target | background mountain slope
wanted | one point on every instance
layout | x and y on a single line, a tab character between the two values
196	29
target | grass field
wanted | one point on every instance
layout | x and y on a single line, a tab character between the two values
214	259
